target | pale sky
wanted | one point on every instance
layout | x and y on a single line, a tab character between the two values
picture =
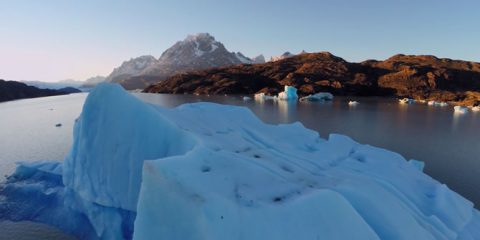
51	40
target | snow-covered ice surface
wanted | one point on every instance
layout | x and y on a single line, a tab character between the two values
209	171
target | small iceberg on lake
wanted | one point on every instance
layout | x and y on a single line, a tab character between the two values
210	171
263	97
353	103
442	104
289	93
318	97
406	101
437	104
246	98
460	109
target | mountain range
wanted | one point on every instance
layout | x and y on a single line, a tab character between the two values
67	83
12	90
195	52
416	76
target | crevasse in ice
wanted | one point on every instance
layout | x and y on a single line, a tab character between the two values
209	171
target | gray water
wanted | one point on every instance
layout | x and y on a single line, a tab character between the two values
448	143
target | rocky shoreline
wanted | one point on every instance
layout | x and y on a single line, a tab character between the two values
422	77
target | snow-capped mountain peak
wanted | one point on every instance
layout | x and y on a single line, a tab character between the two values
195	52
259	59
283	56
192	47
246	60
242	58
132	67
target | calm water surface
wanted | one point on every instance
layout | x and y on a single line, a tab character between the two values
449	143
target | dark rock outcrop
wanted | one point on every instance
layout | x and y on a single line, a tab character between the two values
421	77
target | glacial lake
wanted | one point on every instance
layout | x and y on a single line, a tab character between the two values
448	143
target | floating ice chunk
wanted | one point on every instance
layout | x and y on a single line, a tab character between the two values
245	98
321	96
406	101
437	104
442	104
289	93
263	97
476	109
353	103
460	109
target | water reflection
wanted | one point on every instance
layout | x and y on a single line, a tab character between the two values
457	119
287	110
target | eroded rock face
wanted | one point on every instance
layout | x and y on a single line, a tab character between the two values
424	77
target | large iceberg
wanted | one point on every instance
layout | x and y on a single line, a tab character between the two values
209	171
289	93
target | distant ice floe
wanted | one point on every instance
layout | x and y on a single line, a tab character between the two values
245	98
290	94
439	104
406	101
210	171
460	109
353	103
321	96
263	97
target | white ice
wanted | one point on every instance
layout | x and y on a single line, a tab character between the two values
460	109
289	93
353	103
406	101
263	97
321	96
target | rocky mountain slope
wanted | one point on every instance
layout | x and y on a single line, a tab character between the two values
130	68
421	77
281	57
12	90
199	51
93	81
